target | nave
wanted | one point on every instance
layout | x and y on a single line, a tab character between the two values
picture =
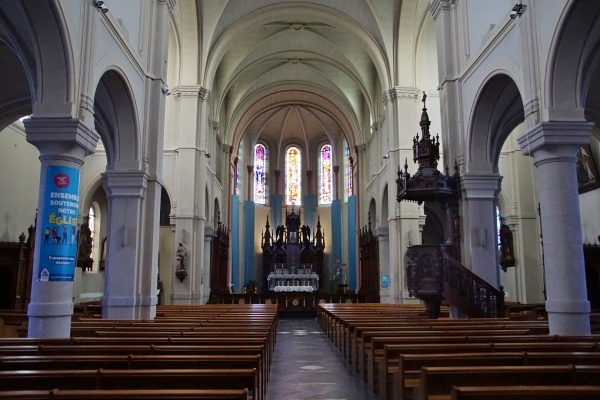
306	365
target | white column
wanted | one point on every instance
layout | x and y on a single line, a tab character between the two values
63	143
402	104
554	145
480	191
125	192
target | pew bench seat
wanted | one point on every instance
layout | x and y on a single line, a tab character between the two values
135	394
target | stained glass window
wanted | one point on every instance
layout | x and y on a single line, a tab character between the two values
293	172
260	174
325	175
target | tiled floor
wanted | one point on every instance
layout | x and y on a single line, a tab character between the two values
306	366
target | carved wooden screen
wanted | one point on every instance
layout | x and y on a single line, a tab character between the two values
219	261
369	262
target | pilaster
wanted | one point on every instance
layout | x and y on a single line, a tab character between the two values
125	192
480	193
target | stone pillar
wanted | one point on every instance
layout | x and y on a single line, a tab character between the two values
63	143
276	173
309	183
336	170
480	191
553	146
125	192
250	168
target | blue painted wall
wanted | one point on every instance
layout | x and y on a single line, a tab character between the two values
249	241
276	207
308	217
336	231
352	247
235	242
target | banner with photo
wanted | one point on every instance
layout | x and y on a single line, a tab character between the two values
59	224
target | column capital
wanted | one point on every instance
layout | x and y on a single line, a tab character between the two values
556	135
402	93
61	136
125	183
192	91
480	186
437	6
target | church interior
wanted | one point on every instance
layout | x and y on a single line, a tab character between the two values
382	168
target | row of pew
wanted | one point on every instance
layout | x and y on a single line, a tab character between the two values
403	355
200	352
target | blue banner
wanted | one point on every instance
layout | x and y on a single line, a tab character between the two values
58	250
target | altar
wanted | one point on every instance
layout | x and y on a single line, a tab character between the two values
280	282
293	258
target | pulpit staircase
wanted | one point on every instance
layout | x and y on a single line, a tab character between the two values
433	275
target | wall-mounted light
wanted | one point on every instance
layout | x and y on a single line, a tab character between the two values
387	155
517	10
99	4
165	90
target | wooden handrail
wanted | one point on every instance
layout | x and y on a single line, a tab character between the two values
468	292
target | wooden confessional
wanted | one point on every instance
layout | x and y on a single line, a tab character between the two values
16	266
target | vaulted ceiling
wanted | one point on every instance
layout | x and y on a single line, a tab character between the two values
303	72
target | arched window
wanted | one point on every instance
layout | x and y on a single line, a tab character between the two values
348	190
325	175
260	174
293	172
92	225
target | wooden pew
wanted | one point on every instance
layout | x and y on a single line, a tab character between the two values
438	381
393	352
375	354
354	335
131	379
526	393
371	355
108	348
141	394
131	361
370	350
406	375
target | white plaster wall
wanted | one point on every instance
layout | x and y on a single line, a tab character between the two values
130	16
166	257
19	183
482	18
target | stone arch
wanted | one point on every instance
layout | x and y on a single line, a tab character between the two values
115	121
384	207
216	214
373	212
569	83
497	111
36	59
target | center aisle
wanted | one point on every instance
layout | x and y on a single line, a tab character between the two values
306	365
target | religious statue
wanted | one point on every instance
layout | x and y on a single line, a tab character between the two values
507	256
180	256
339	273
279	233
305	234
